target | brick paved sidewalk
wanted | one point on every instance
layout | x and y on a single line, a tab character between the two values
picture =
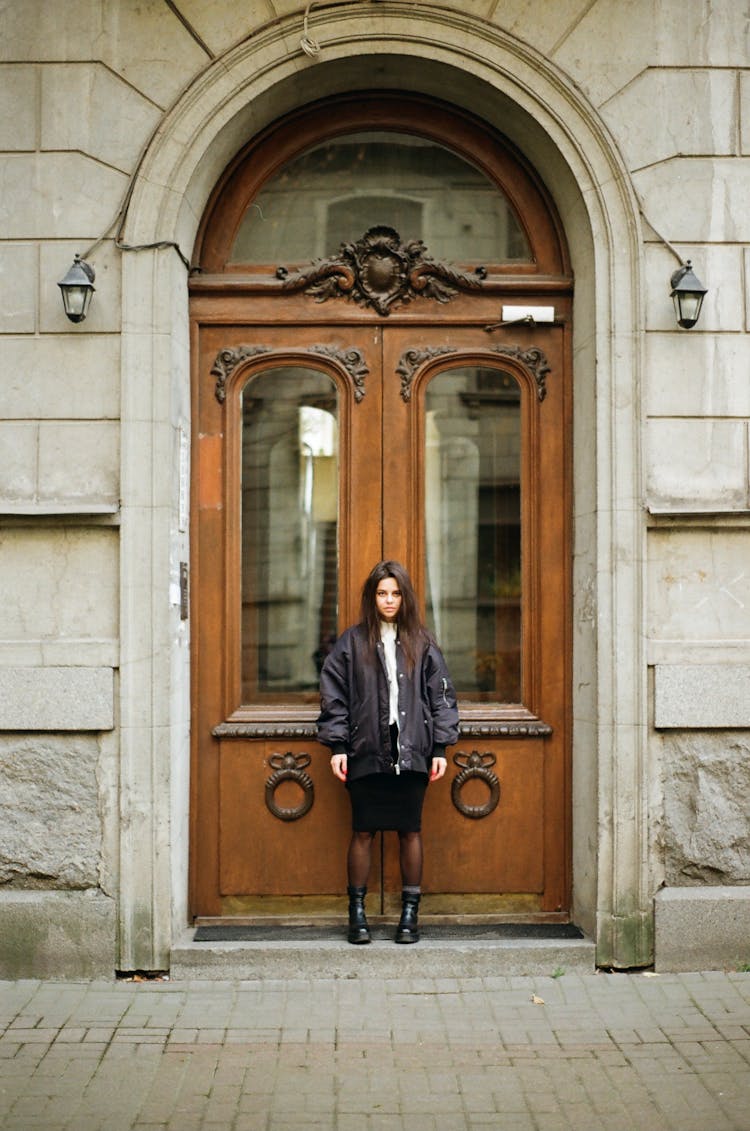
603	1052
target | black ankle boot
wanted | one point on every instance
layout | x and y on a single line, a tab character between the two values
359	932
408	928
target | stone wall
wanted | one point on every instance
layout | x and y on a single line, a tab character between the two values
706	829
50	812
83	87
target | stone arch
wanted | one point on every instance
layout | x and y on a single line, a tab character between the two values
515	88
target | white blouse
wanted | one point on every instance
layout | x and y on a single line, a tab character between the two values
388	636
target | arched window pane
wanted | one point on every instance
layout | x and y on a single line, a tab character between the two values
289	531
334	192
473	528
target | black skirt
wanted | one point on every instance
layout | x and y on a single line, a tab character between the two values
387	801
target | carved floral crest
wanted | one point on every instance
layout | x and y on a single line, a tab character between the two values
381	271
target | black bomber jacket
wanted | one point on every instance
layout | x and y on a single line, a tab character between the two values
354	706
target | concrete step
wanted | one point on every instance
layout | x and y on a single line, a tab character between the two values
330	956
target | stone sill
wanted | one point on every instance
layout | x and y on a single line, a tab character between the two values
51	508
666	517
24	514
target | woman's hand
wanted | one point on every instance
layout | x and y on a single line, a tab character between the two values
338	765
438	768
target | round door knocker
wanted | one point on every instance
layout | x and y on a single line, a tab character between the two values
290	767
475	765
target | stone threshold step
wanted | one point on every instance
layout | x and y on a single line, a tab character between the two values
335	958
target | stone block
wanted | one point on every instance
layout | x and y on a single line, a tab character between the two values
718	188
151	48
600	74
668	34
105	311
56	699
57	935
697	375
745	113
513	16
221	23
79	462
698	585
702	928
61	376
50	819
19	107
18	456
18	271
705	828
113	121
701	695
696	464
697	115
57	195
70	32
64	584
721	270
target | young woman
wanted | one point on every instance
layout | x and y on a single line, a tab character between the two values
388	711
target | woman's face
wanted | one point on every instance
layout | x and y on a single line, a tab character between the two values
388	598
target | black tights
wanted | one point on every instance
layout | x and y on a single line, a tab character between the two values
360	855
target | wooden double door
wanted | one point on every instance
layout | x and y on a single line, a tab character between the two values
320	448
379	402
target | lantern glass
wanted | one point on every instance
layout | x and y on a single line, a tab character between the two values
76	289
688	293
687	306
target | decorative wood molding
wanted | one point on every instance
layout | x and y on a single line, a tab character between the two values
227	361
290	767
475	765
353	362
531	356
265	730
508	728
511	728
410	361
534	359
381	271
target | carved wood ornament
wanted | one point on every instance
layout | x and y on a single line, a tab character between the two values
381	271
290	767
228	359
534	359
531	356
475	765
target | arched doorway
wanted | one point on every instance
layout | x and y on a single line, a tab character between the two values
381	367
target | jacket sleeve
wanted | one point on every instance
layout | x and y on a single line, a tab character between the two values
441	696
333	720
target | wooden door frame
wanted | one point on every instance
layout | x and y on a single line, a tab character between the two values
219	297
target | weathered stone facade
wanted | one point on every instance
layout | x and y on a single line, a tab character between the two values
118	119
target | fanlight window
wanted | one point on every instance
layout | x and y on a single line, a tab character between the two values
335	191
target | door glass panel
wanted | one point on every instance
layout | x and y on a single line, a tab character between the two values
473	528
335	191
289	532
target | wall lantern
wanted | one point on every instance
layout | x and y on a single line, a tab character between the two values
77	288
687	294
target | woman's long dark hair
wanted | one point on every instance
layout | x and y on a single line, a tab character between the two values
412	633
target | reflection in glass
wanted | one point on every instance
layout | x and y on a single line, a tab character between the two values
334	192
289	531
473	528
